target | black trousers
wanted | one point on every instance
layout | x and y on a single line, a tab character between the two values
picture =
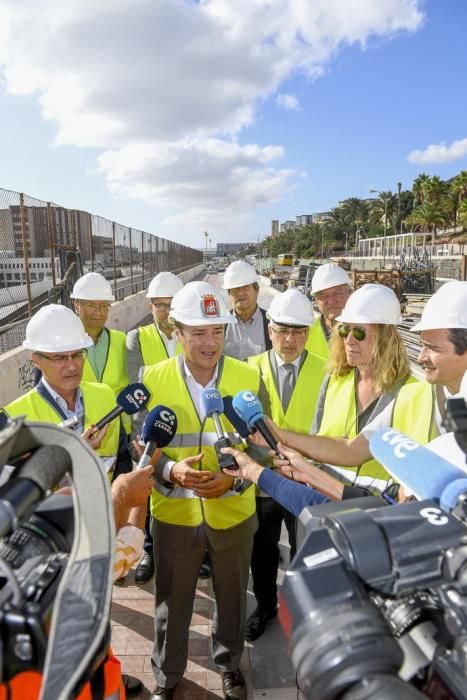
265	555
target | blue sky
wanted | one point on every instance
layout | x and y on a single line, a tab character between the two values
179	117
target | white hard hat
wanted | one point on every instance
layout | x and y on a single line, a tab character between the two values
372	303
447	308
238	274
328	275
291	308
199	304
93	287
165	284
55	328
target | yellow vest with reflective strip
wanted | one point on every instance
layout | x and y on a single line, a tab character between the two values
340	420
414	412
152	346
301	409
115	372
179	506
98	399
317	342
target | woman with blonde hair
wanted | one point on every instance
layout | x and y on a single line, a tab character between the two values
368	365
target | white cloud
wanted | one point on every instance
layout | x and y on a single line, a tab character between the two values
163	89
440	153
287	101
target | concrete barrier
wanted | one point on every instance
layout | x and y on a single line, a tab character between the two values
17	369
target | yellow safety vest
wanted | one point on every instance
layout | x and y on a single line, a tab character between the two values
340	420
179	506
414	412
115	372
152	346
98	399
301	409
317	342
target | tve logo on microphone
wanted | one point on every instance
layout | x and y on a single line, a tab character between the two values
401	443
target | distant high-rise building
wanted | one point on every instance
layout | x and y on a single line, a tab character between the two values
304	219
274	227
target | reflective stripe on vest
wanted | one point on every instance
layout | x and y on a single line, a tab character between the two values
168	387
98	399
340	420
317	342
301	409
27	685
152	346
414	412
115	372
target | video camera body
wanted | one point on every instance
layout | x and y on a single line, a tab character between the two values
375	602
56	559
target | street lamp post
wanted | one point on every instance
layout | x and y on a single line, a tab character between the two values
385	225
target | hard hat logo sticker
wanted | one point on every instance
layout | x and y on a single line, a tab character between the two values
209	306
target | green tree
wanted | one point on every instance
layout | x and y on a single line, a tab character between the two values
428	215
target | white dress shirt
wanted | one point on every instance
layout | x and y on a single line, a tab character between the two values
282	372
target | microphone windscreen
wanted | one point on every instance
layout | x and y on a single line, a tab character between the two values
417	468
46	467
230	413
160	426
248	407
133	398
211	402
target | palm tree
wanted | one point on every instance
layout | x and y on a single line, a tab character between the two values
419	189
429	215
459	191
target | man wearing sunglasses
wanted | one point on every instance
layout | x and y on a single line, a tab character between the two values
292	377
330	288
419	407
106	360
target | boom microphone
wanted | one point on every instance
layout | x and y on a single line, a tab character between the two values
132	399
213	405
418	469
249	408
41	472
159	428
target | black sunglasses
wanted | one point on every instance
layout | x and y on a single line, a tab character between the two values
358	333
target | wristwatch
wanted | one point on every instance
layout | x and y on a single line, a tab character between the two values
237	484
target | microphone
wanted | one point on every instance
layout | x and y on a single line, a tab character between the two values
212	404
422	472
249	408
41	472
159	428
132	399
230	413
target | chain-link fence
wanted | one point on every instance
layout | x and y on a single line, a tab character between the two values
44	248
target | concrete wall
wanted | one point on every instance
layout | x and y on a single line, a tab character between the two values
17	369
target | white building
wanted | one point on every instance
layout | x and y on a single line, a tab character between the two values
13	271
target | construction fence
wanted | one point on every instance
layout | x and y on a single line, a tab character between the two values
45	247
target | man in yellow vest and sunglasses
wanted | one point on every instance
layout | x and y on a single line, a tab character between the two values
195	507
106	359
330	287
292	376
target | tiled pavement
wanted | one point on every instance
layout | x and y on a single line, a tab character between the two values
265	664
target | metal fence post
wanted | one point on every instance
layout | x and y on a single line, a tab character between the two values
25	238
131	264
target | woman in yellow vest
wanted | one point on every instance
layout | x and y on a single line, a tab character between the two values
367	367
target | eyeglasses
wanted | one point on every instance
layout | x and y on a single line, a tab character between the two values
358	333
160	306
91	306
61	360
294	332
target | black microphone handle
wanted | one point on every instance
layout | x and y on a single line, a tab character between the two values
109	417
268	436
145	459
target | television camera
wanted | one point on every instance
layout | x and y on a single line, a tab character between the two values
375	602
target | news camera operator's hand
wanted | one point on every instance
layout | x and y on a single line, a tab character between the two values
247	467
183	474
94	437
297	468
